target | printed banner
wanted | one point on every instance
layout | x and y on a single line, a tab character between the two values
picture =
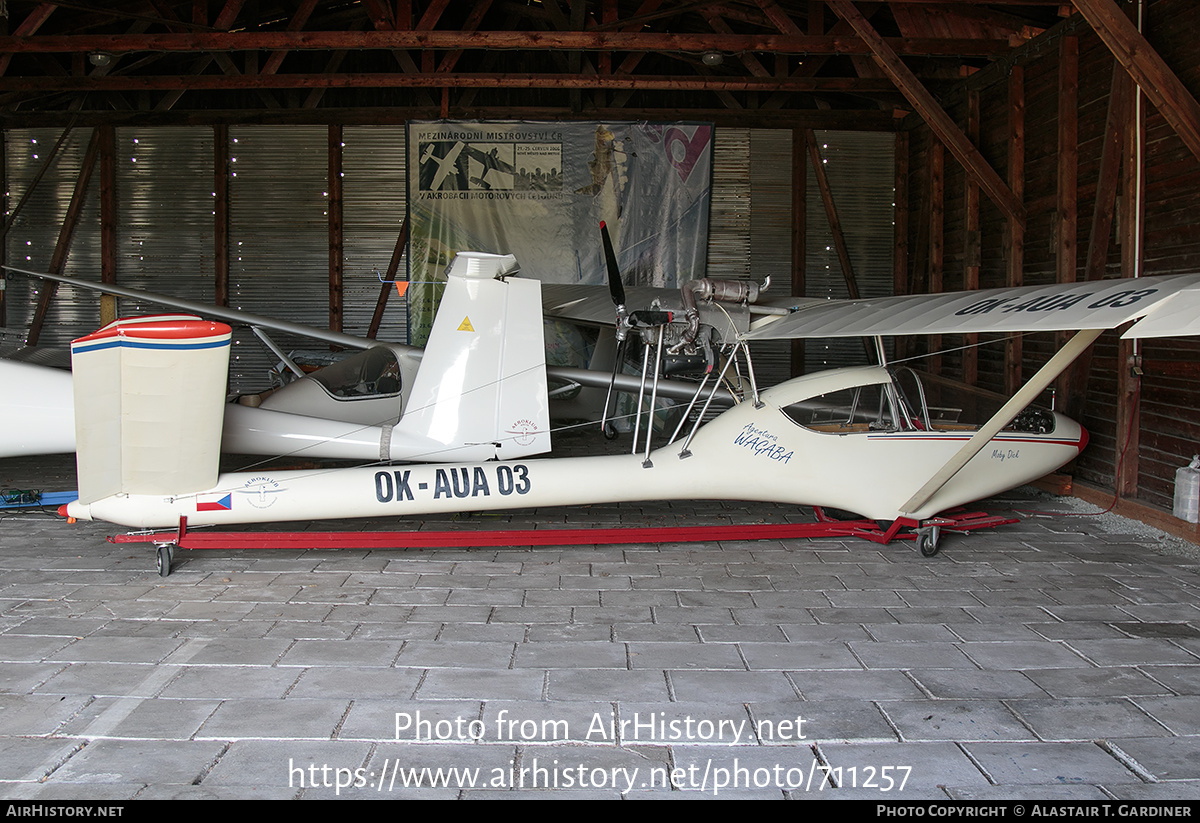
540	190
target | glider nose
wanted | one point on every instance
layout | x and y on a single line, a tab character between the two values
1083	438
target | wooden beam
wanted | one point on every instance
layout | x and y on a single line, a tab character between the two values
380	14
232	81
937	244
390	279
748	60
313	98
1102	218
1067	216
833	119
432	14
941	123
1128	414
1128	420
334	207
385	23
228	14
971	245
47	162
1156	79
108	220
32	22
1066	231
835	225
299	19
58	260
221	172
1015	270
1119	100
799	231
900	224
387	39
450	60
224	21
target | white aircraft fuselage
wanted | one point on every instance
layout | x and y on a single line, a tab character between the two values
747	453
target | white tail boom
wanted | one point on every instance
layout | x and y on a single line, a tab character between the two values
150	392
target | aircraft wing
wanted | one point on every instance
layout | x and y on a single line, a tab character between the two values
1170	306
595	379
593	306
241	318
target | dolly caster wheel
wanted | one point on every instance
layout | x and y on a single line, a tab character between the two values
610	431
929	540
165	556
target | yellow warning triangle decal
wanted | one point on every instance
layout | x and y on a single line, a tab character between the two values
465	325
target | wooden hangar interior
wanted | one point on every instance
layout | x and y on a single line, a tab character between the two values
994	143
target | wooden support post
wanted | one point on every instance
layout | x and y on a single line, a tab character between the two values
334	206
58	260
1015	275
835	225
1125	470
1067	217
1102	218
108	220
937	208
221	173
900	284
385	288
1119	100
971	246
799	231
1128	420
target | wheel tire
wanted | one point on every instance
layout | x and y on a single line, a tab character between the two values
927	542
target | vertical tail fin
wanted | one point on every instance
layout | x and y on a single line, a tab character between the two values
149	405
480	392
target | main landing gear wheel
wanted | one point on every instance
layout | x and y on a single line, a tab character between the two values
929	539
165	556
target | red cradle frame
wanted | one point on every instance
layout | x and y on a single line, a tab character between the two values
825	526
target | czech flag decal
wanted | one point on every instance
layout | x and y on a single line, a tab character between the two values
222	505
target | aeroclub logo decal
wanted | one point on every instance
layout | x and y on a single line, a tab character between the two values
261	492
523	432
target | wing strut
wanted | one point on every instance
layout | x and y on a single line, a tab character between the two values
1045	375
278	352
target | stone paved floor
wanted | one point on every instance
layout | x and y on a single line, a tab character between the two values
1055	658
